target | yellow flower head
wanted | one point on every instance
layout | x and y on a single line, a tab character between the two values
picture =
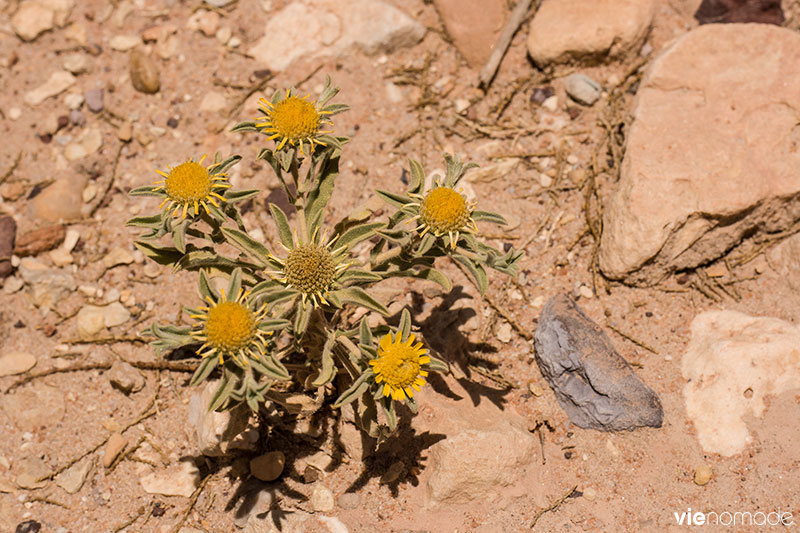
399	366
445	211
190	184
294	120
230	328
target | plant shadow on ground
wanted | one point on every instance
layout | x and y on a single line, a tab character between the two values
441	332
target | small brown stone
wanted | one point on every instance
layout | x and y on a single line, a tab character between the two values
39	240
144	72
269	466
702	475
8	232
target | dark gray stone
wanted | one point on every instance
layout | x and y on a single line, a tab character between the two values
593	384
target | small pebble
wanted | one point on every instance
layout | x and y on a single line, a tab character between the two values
14	362
94	100
116	443
583	89
268	467
73	101
14	113
125	132
144	73
349	500
322	499
702	475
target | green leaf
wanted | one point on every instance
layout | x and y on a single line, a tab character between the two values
437	365
282	223
223	166
417	184
169	337
238	196
405	325
301	319
271	367
396	200
365	333
320	194
488	216
476	271
245	126
247	244
431	274
147	190
356	234
391	415
356	390
425	244
207	365
153	221
359	296
273	324
226	386
275	296
163	255
234	284
179	235
328	370
206	289
356	275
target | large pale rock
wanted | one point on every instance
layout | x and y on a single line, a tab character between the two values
214	432
57	83
61	201
329	27
733	362
478	452
32	19
34	407
48	285
474	26
588	30
594	385
177	480
712	155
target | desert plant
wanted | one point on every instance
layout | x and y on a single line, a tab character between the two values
282	328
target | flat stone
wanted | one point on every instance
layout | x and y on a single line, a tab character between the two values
8	235
94	100
712	153
588	31
57	83
61	201
372	26
117	256
473	25
116	443
733	363
177	480
115	314
32	19
40	240
123	43
76	63
48	285
268	467
212	431
73	478
125	377
31	469
348	500
34	407
90	321
594	385
14	362
322	499
582	89
73	101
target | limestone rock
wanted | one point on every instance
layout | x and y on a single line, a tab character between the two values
57	83
125	377
31	470
48	285
593	384
90	321
177	480
322	499
214	432
123	43
73	478
61	201
14	362
712	154
732	364
473	25
32	19
116	443
371	25
34	407
588	31
582	89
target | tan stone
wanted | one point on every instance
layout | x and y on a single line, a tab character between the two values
474	26
588	30
712	154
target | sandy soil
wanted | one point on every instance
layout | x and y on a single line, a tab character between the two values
632	481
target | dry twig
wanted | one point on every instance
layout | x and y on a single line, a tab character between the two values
501	46
552	507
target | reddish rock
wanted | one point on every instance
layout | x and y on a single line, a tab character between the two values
728	11
39	240
713	153
473	25
8	231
